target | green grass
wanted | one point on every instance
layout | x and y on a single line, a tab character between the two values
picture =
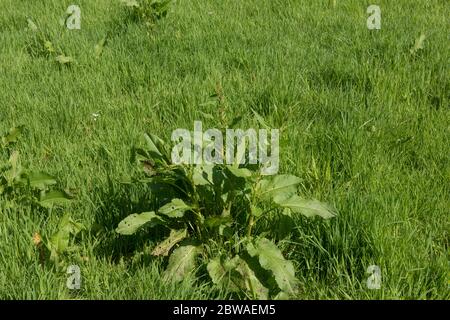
363	122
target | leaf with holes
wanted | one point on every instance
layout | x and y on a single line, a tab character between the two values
203	175
174	209
164	247
135	221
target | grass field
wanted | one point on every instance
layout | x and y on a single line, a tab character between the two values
363	121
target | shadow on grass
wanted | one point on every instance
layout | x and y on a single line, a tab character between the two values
337	247
117	201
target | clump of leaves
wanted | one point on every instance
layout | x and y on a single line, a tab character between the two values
61	243
22	185
216	218
41	45
147	11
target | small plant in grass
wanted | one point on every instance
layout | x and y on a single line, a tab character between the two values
18	185
60	244
147	11
41	45
215	220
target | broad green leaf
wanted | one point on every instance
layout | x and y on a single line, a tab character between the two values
40	180
251	282
156	149
222	271
31	25
221	276
239	172
306	207
203	175
235	275
271	259
256	211
418	45
99	46
134	221
14	160
174	209
277	186
281	296
130	3
54	197
62	59
12	135
164	247
153	142
181	262
14	174
59	241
